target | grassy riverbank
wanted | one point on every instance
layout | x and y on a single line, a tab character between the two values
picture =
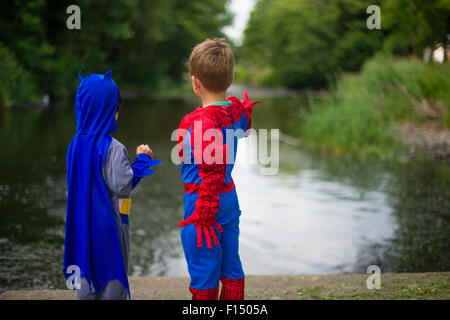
294	287
361	114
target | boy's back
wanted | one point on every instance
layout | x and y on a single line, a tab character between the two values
226	122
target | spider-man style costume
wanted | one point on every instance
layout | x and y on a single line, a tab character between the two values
207	143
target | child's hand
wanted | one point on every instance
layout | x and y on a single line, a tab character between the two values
246	101
203	227
144	148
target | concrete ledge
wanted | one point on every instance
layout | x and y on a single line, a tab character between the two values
342	286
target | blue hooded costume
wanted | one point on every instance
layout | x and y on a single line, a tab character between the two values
92	240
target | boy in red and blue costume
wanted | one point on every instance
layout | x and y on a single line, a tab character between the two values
207	145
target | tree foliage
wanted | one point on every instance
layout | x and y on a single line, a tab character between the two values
145	43
307	43
416	24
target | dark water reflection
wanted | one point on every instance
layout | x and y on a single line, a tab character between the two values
321	213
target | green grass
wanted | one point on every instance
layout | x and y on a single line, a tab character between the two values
414	287
435	291
360	114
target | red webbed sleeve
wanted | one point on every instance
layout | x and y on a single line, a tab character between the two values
208	138
210	156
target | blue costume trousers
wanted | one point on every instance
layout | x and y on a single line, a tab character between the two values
207	266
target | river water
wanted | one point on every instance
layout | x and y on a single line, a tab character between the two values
319	214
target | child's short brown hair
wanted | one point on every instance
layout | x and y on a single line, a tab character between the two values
212	62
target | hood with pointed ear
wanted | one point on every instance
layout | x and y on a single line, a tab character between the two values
95	104
92	240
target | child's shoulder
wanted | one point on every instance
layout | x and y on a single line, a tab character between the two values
116	144
117	148
117	153
208	117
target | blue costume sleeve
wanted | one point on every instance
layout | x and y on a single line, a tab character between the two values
141	168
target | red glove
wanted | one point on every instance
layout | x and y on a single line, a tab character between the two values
205	226
247	103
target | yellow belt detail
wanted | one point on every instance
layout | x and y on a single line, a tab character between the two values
125	206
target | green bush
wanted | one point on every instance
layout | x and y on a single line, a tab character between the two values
360	114
16	85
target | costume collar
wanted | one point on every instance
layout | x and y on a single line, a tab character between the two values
226	103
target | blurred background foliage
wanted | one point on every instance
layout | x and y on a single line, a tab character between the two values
375	79
361	114
300	44
308	44
145	43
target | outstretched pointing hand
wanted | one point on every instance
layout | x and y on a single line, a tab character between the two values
246	101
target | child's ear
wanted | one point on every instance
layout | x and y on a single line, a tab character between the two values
196	83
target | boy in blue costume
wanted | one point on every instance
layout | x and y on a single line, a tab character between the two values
100	179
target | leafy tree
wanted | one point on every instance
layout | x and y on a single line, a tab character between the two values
145	43
416	24
307	43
